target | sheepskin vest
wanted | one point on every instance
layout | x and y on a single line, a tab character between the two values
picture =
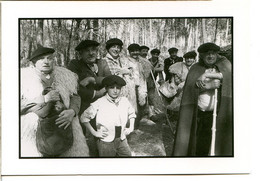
64	81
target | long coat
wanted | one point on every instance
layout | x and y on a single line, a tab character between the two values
185	141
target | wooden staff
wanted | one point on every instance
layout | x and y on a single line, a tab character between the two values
167	119
213	128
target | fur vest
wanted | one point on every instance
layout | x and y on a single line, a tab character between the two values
65	82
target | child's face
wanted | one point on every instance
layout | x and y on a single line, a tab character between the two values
113	91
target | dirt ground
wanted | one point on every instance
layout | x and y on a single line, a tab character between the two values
154	137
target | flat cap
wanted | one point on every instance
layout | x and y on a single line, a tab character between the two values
133	47
191	54
85	44
40	51
173	49
113	41
112	80
208	47
153	51
144	47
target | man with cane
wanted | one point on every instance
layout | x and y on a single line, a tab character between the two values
205	126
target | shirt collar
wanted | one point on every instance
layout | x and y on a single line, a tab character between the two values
114	101
108	56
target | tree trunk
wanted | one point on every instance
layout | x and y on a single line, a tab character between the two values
216	31
204	35
39	31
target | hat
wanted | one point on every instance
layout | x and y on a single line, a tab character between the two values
191	54
113	41
208	47
173	49
40	51
85	44
144	47
113	79
133	47
153	51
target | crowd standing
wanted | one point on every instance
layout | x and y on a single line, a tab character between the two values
90	107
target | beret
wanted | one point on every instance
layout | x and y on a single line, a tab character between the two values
191	54
113	41
208	47
40	51
85	44
173	50
112	80
144	47
153	51
133	47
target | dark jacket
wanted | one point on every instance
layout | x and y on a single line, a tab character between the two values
86	93
185	140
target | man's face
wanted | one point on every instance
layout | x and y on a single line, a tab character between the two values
89	54
45	64
134	54
173	55
189	61
155	56
114	51
113	91
144	53
209	58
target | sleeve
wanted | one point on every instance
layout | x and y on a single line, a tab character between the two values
131	110
75	102
90	112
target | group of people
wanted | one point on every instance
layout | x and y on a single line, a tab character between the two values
88	108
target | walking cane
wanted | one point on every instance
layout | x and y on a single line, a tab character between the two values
167	119
213	129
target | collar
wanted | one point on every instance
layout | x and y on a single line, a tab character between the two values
114	101
108	56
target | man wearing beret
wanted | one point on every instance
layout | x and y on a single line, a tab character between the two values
63	86
89	81
112	113
158	65
171	60
194	134
138	74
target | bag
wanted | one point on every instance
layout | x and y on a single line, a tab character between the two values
51	140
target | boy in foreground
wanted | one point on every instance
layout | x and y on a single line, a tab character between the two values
112	113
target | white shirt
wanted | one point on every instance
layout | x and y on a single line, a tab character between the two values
109	114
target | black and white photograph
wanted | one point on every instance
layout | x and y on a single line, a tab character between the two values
153	87
94	88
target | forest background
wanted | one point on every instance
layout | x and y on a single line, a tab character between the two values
64	35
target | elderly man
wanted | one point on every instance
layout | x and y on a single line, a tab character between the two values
194	134
63	87
87	71
171	60
89	81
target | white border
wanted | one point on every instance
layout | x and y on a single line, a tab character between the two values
11	165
